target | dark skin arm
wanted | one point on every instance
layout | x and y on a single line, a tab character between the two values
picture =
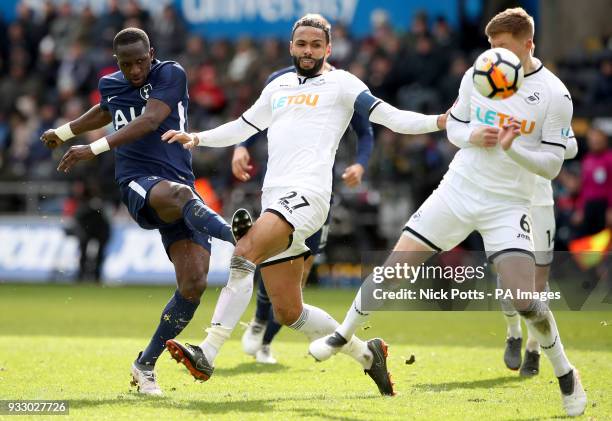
155	112
93	119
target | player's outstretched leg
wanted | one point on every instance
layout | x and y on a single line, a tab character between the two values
544	327
190	262
175	317
252	339
232	302
407	250
324	348
514	335
516	273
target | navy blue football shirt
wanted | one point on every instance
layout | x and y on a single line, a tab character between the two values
148	156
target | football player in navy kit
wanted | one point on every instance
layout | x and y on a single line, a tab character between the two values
144	99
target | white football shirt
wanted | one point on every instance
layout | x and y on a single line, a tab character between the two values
542	105
306	118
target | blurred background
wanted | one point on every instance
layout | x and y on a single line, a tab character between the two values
56	227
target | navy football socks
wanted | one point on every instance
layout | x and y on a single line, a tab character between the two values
200	217
175	317
263	311
272	329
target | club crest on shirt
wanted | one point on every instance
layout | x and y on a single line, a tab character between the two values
533	99
145	91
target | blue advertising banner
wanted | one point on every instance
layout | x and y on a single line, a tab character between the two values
38	250
274	18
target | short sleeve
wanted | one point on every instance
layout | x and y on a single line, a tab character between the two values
557	129
355	94
259	116
103	97
460	110
170	85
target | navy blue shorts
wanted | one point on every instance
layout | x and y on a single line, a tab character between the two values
135	196
317	241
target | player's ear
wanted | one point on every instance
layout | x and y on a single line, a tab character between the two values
328	50
152	53
291	47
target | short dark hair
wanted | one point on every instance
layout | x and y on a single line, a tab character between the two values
316	21
130	36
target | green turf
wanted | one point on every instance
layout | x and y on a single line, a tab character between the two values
77	343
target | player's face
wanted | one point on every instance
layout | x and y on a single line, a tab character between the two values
134	61
309	49
520	46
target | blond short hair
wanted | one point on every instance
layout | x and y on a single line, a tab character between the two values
515	21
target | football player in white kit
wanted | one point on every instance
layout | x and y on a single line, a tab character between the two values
306	114
544	228
489	187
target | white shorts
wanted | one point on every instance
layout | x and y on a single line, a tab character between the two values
305	210
543	218
458	207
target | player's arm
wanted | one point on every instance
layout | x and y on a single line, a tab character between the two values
400	121
365	143
155	113
458	130
355	94
254	120
546	161
571	149
95	118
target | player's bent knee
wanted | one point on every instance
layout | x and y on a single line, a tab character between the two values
180	195
286	315
534	311
245	248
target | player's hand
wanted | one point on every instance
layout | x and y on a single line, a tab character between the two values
189	140
75	154
50	139
352	175
484	136
442	120
240	164
508	133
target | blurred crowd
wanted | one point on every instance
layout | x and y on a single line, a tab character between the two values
50	63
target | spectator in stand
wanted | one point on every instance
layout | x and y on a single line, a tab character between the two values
65	27
169	34
594	207
600	95
206	93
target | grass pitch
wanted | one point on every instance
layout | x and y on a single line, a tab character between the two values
77	343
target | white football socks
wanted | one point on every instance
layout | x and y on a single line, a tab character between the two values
232	303
544	329
354	318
